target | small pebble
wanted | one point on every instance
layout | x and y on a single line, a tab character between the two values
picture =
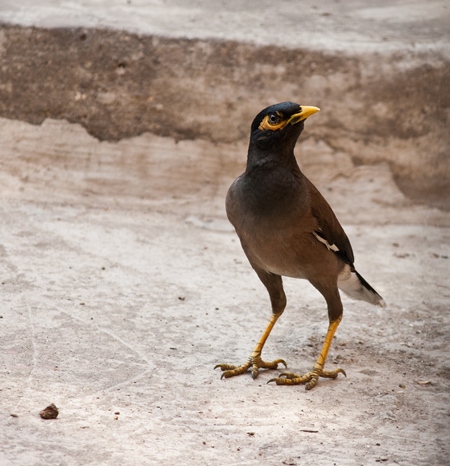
50	412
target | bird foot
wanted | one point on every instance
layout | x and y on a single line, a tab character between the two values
310	378
254	363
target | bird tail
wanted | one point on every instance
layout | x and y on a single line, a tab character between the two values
354	285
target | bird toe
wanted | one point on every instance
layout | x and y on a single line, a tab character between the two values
255	363
310	379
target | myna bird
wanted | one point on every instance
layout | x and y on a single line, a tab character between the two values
287	228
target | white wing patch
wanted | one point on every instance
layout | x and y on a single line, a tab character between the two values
331	247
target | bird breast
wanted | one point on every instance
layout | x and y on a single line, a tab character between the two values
273	222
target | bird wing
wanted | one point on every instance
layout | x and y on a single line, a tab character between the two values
329	231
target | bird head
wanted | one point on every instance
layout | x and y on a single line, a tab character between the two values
279	126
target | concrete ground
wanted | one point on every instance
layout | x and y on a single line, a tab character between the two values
122	283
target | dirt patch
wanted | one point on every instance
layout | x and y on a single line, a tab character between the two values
123	285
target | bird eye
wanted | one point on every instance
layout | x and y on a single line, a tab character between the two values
273	118
273	122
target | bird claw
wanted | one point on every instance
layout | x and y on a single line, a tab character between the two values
254	362
310	379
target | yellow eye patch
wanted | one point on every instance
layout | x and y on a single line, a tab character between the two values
273	122
276	120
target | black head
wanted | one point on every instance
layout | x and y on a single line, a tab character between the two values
279	126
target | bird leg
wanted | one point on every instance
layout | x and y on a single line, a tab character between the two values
311	378
254	361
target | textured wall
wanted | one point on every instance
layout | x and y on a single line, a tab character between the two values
375	107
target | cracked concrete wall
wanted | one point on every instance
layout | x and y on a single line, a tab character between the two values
376	107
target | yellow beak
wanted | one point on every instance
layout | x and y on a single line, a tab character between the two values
303	115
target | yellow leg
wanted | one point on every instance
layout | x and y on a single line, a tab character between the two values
254	361
311	378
